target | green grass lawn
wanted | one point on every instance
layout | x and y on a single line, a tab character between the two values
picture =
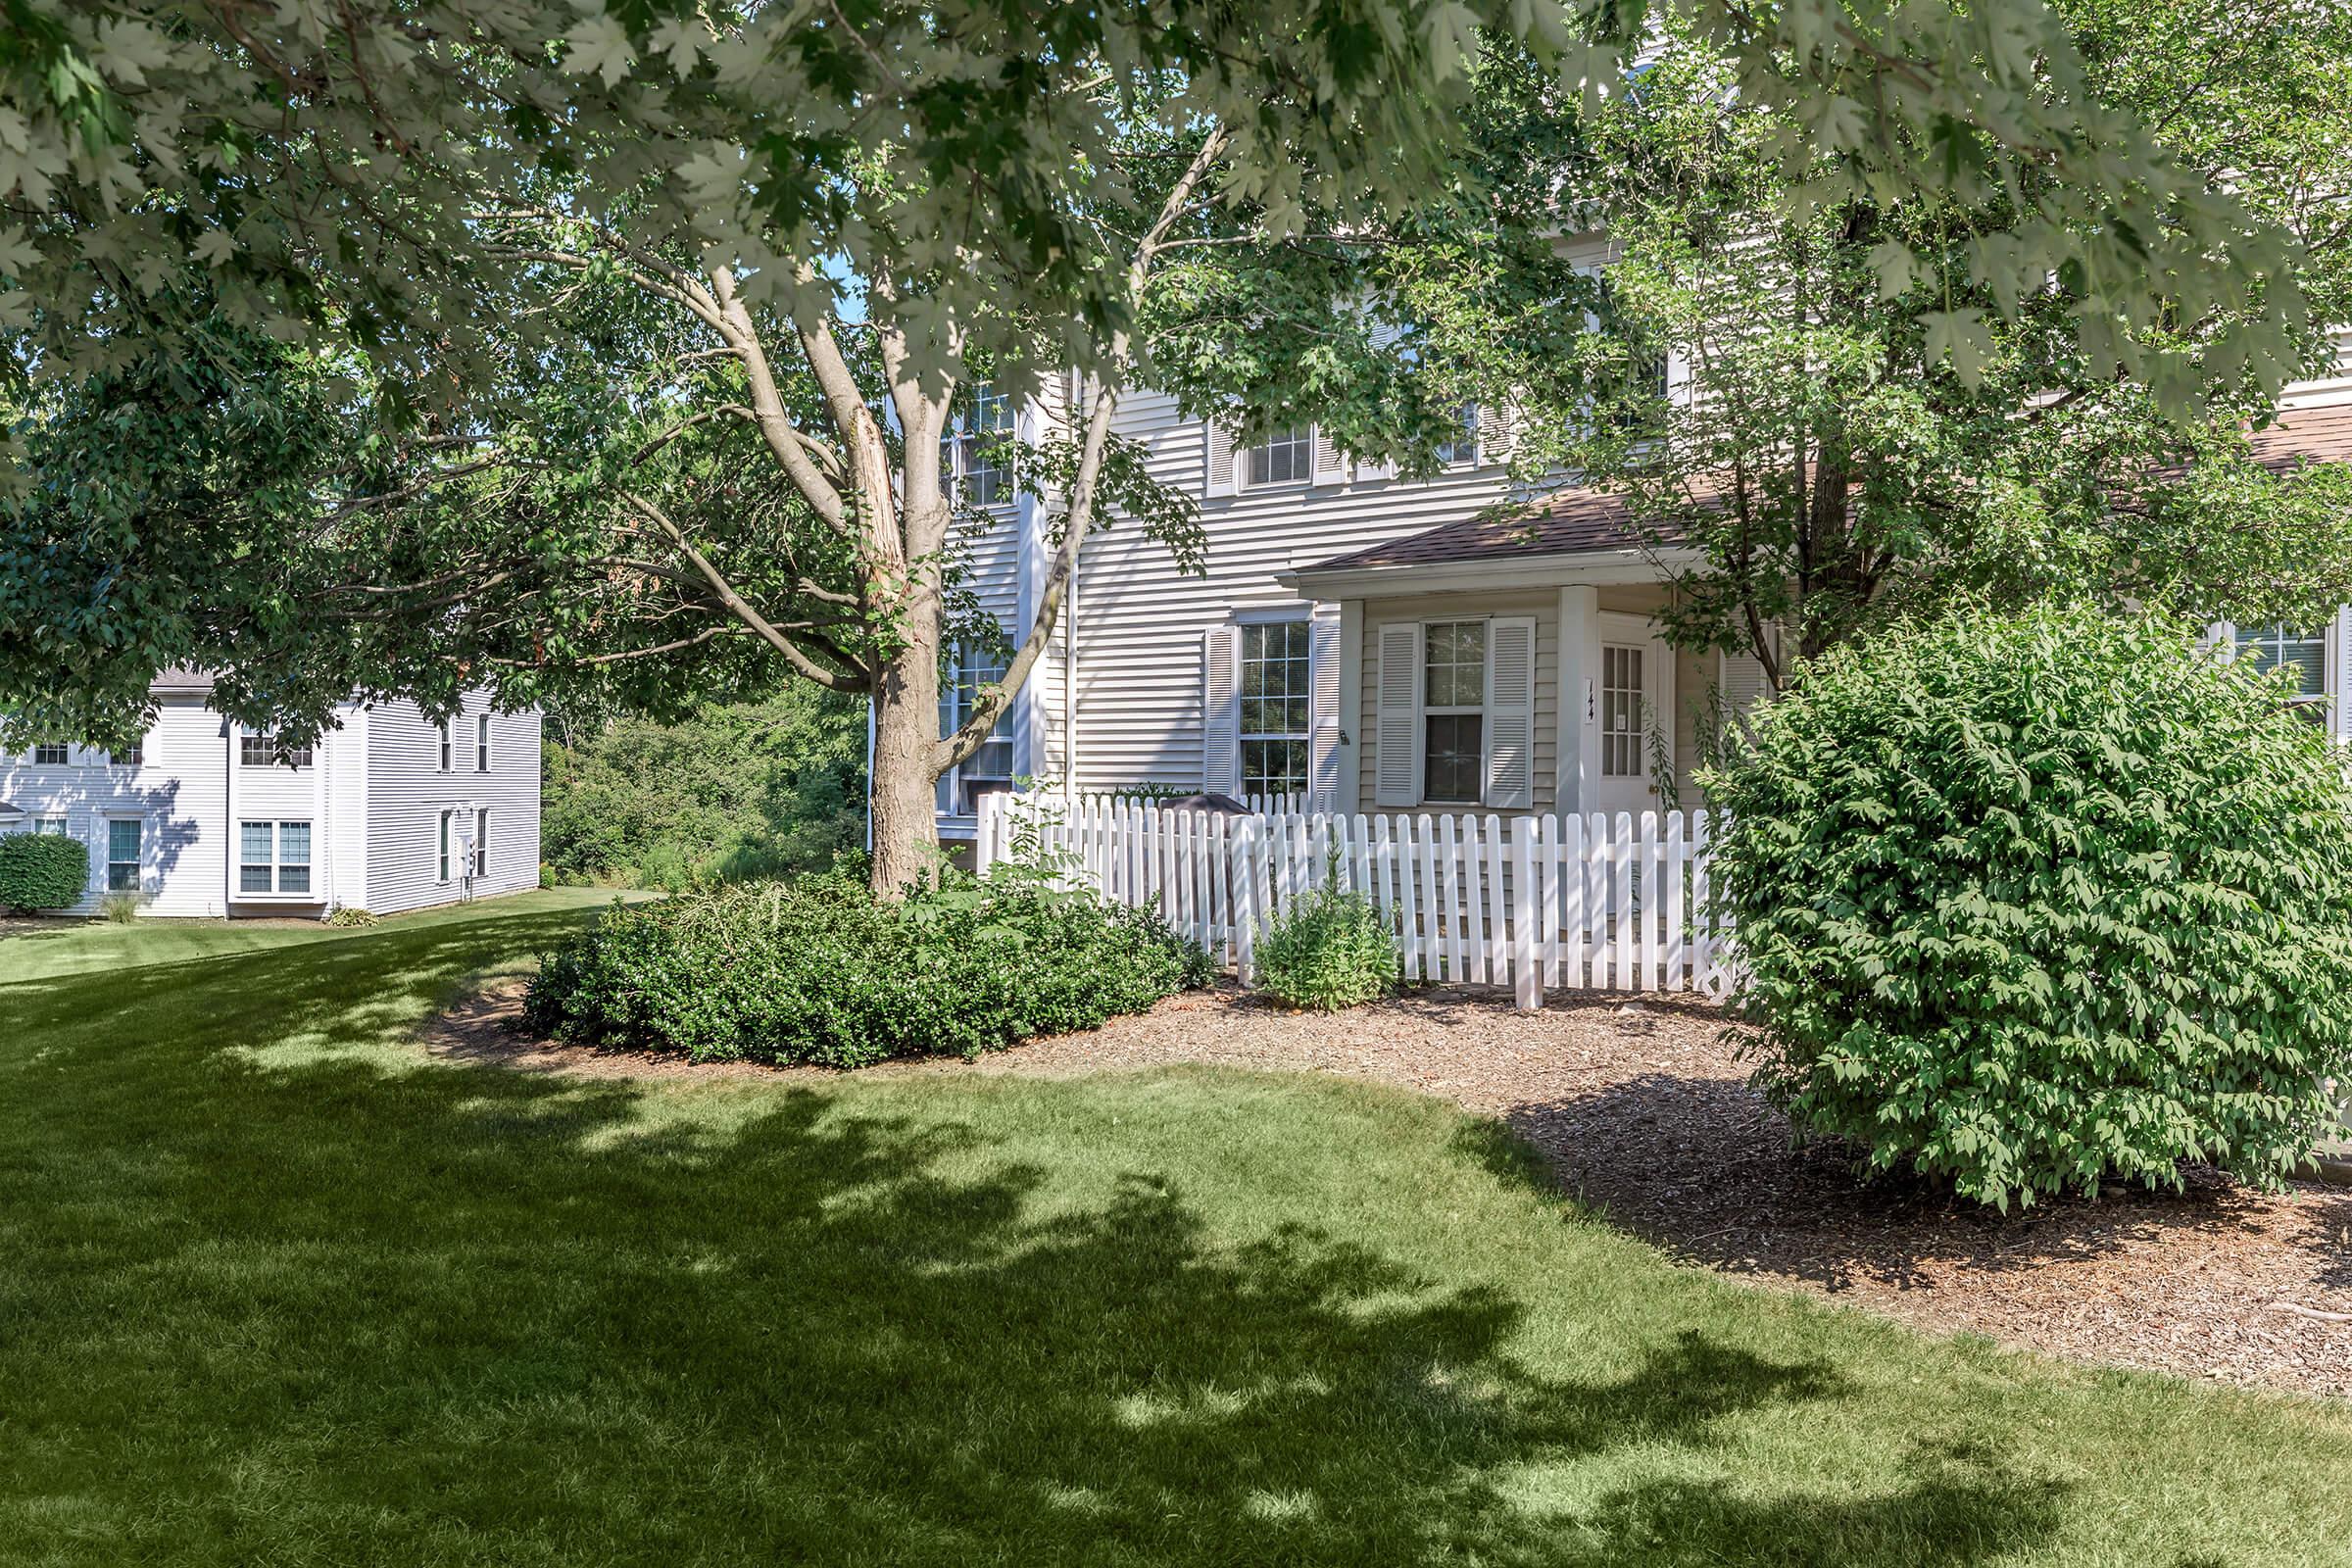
274	1289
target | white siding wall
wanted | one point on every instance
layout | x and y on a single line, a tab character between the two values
406	793
180	794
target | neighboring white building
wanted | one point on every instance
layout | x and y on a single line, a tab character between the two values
387	812
1373	642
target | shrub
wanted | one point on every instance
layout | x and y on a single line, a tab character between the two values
120	908
2035	903
42	871
813	970
1328	951
350	916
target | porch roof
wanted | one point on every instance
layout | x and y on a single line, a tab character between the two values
1569	522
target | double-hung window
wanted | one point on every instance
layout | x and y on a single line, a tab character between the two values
1285	457
50	824
1453	711
982	448
481	841
990	768
441	873
482	742
262	751
448	752
1275	692
274	858
1461	449
2303	653
51	755
124	860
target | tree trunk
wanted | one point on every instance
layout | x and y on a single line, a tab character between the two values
899	791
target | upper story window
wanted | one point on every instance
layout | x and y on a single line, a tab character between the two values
52	756
1275	690
482	742
1286	456
2305	653
1454	708
262	751
448	754
131	756
1462	449
981	448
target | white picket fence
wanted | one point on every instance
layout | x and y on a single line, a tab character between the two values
1619	902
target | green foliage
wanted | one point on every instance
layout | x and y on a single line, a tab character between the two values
731	792
816	970
120	908
2040	902
350	916
1328	951
42	871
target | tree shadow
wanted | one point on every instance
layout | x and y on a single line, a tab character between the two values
283	1296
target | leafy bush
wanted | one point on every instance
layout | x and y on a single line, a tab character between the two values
42	871
2039	901
350	916
814	970
1328	951
730	793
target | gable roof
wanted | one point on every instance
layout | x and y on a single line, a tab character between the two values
1581	522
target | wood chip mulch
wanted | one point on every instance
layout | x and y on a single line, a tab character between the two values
1645	1111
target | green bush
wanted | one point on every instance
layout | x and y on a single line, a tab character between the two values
2040	902
1328	951
120	908
813	970
42	871
350	916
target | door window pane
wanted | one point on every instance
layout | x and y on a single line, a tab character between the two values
1621	710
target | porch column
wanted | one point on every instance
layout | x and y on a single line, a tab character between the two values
1580	673
1344	798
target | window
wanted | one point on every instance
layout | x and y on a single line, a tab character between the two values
122	858
1275	688
481	744
274	858
50	824
446	755
443	873
1463	448
1455	711
134	757
262	751
983	455
50	756
2303	653
481	841
1287	456
1622	700
990	768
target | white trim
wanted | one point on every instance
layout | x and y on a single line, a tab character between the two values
277	863
1554	570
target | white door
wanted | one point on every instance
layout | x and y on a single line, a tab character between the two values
1634	704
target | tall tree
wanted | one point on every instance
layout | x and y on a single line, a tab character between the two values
630	337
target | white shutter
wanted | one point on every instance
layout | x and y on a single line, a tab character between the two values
1331	465
2339	710
1222	470
1323	686
1396	734
1221	711
1511	712
1496	428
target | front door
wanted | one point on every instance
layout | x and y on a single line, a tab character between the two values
1635	708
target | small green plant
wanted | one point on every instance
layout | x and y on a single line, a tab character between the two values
2042	902
42	871
1330	950
815	970
120	908
351	915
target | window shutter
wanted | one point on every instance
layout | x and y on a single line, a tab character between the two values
1396	739
1741	677
1511	712
2339	710
1323	734
1221	711
1219	481
1331	465
1496	428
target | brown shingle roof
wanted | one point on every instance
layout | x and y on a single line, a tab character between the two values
1579	521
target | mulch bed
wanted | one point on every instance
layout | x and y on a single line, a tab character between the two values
1645	1111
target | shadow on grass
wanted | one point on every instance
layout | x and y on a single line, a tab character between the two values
299	1299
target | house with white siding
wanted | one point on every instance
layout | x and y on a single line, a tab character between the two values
388	812
1372	642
